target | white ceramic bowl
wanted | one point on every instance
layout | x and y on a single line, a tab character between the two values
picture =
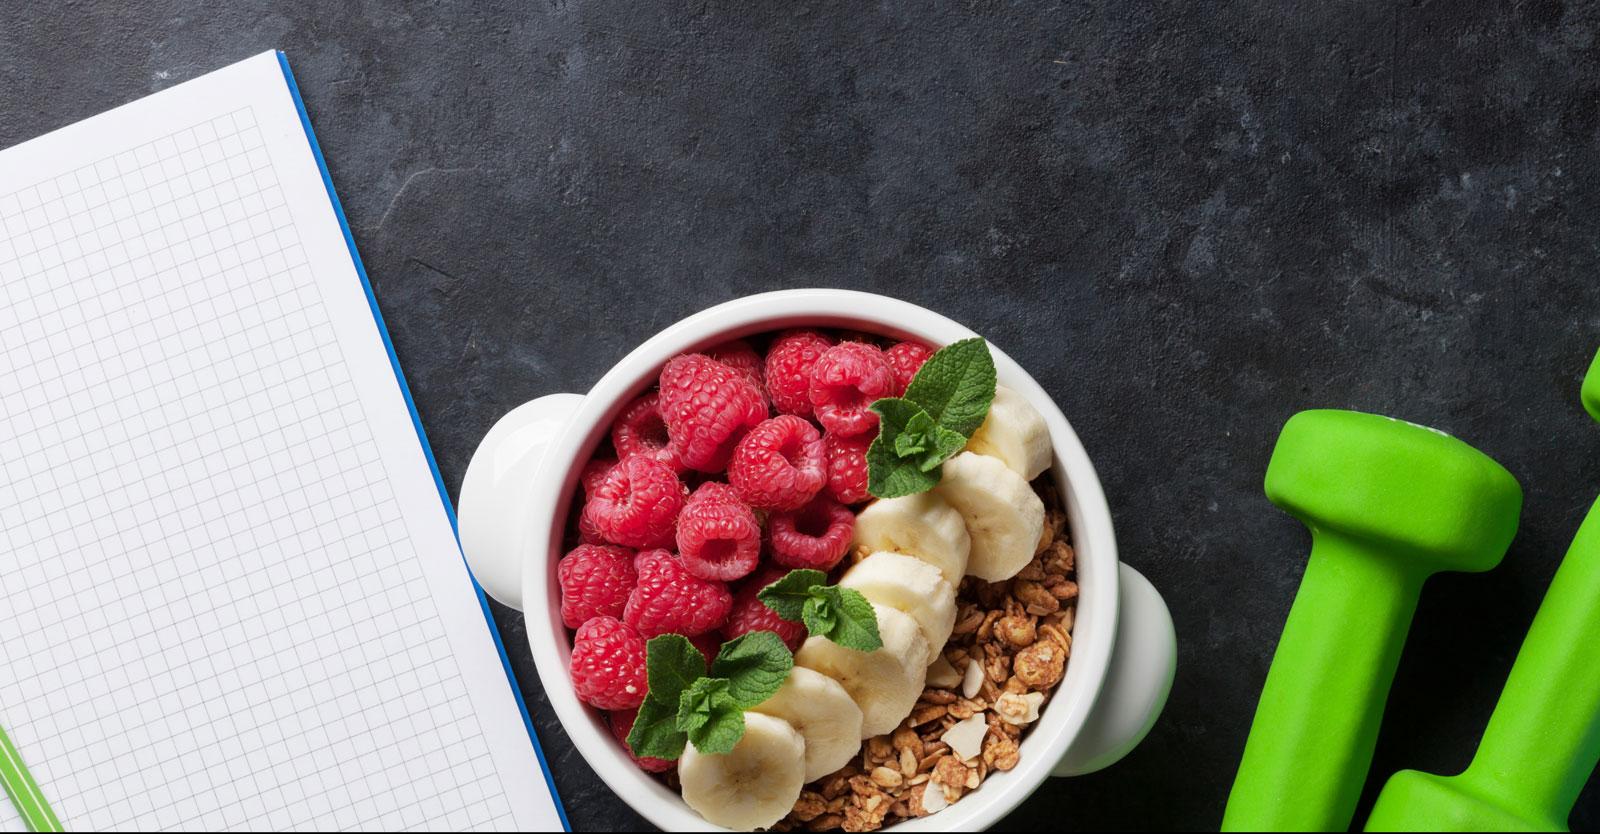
516	497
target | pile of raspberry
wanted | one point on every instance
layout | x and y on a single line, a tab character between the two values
740	466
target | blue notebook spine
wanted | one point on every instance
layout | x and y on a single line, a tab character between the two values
416	422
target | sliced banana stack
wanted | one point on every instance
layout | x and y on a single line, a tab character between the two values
753	785
885	683
912	587
823	713
922	525
1015	433
1004	516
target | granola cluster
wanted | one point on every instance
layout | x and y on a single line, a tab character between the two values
1005	658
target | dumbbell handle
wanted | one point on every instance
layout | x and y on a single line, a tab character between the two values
1544	738
1326	689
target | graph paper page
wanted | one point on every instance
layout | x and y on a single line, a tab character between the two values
230	595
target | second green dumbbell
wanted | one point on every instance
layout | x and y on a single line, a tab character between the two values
1543	739
1388	504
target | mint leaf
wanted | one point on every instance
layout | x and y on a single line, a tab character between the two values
672	664
787	597
845	617
907	436
820	617
956	385
945	445
697	704
755	665
722	730
655	731
891	476
855	624
839	614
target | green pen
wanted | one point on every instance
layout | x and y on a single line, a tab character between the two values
24	792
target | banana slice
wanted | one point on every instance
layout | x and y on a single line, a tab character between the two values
910	586
1015	433
753	785
1004	516
823	714
922	525
885	683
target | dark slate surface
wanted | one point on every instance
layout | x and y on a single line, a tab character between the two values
1188	220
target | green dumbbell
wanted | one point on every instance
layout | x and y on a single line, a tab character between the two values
1388	504
1544	737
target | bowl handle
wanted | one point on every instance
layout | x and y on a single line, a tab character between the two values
1142	665
494	512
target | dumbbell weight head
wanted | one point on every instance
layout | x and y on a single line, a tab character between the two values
1417	801
1408	490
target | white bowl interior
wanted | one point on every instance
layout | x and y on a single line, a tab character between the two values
1088	516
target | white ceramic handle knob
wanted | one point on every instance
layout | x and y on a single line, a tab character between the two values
1143	661
495	510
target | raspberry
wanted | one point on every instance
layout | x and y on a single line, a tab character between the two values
669	598
621	721
636	504
595	581
789	363
607	665
708	407
593	473
779	465
708	644
847	467
751	614
718	537
814	536
906	359
844	382
639	430
739	356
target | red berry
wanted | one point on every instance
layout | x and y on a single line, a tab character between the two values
621	724
708	407
709	645
906	359
844	382
751	614
788	372
593	473
607	665
668	598
639	430
718	537
636	504
595	581
814	536
847	467
779	465
739	356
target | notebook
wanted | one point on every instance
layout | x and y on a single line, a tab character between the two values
231	595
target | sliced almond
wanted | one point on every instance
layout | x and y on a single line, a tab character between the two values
941	675
966	737
973	681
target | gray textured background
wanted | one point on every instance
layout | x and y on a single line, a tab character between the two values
1188	220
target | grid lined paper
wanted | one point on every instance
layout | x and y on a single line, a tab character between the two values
212	612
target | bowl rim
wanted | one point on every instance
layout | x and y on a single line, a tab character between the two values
1089	519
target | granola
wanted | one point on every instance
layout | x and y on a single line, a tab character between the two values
1018	636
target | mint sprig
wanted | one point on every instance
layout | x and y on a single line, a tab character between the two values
685	705
945	403
839	614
